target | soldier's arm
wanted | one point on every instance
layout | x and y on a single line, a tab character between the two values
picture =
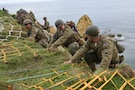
62	39
107	54
80	53
33	34
53	39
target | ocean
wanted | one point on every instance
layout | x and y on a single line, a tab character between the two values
118	16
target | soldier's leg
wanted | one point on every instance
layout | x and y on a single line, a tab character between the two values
73	47
91	59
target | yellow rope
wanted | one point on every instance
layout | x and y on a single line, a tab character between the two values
4	56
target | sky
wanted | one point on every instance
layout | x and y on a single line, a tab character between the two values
18	1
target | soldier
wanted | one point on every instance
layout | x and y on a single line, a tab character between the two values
98	49
46	24
37	34
31	30
20	16
65	36
72	25
23	14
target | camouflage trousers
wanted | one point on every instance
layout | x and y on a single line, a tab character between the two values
44	43
91	58
73	47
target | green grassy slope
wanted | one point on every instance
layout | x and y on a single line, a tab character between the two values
24	64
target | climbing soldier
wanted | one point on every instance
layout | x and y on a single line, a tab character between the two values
66	37
37	34
30	29
72	25
23	14
98	49
46	24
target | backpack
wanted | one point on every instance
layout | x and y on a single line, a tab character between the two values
120	47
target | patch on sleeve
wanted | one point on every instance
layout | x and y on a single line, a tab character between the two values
105	44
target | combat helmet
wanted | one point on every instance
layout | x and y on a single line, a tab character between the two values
59	23
92	31
27	21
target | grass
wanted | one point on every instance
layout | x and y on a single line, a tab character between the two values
29	63
27	66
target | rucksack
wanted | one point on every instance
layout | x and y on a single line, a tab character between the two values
120	47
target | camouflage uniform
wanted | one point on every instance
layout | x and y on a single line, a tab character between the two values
37	34
67	38
23	14
46	26
43	38
104	53
20	18
32	32
28	16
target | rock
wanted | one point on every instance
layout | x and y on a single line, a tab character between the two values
119	37
82	24
127	71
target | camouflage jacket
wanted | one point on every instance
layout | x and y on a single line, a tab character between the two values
105	50
44	36
62	37
46	25
22	18
32	32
